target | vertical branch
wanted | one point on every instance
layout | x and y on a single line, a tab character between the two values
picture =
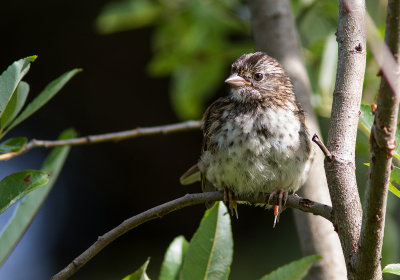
341	142
275	33
383	143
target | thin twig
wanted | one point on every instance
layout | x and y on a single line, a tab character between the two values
293	201
116	136
322	146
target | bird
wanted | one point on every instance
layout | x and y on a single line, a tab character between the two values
255	139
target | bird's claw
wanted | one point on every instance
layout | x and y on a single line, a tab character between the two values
228	197
282	199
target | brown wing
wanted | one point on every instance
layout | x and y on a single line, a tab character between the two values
192	175
212	121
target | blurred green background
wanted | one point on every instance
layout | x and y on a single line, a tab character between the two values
152	62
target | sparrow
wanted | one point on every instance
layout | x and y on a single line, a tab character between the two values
255	139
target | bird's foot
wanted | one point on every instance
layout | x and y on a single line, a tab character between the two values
282	198
229	198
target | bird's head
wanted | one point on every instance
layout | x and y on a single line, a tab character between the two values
256	76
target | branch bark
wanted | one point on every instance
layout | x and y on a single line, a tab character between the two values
293	201
116	136
275	33
341	142
382	140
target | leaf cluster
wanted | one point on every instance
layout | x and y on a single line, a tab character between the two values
193	42
13	95
209	254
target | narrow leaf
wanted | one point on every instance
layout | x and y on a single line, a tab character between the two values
17	185
10	79
15	105
13	144
49	91
296	270
367	119
173	259
210	252
27	209
395	178
394	190
139	274
393	268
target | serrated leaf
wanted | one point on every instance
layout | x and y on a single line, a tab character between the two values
48	92
393	268
10	79
15	105
173	259
17	185
13	144
139	274
210	252
27	209
296	270
367	119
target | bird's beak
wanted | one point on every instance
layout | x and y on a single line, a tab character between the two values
236	81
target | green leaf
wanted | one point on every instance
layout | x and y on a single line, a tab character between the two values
394	190
13	144
15	186
125	15
139	274
49	91
296	270
395	175
10	79
210	252
367	119
15	105
173	259
395	178
393	268
27	209
191	86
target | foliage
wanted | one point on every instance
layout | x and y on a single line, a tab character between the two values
192	43
296	270
34	185
197	69
393	268
181	29
366	120
209	254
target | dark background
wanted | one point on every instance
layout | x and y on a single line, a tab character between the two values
103	184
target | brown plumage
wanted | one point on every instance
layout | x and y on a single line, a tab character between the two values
255	139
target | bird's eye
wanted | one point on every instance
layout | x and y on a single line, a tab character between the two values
258	76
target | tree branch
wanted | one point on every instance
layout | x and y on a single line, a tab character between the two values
383	143
116	136
341	142
275	33
293	201
322	146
